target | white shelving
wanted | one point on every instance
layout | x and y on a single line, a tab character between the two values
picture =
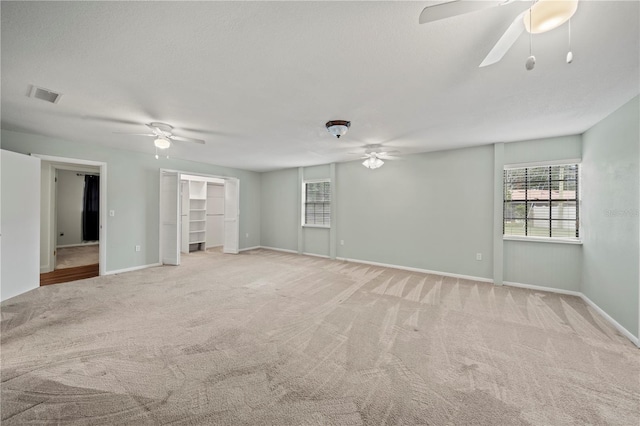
202	215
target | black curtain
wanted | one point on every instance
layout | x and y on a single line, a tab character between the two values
91	210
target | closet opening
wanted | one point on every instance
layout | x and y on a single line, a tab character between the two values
197	213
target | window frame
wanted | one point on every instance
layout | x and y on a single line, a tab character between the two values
578	203
304	204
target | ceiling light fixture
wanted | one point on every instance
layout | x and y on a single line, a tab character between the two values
373	162
545	15
162	143
338	127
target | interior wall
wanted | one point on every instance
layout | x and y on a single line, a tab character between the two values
279	203
554	265
69	205
610	215
430	211
133	193
412	212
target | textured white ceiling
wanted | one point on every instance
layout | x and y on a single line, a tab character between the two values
258	80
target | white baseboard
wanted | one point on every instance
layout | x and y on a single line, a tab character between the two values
45	269
424	271
626	333
249	248
94	243
541	288
133	268
278	249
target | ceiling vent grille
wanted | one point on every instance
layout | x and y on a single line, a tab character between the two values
45	94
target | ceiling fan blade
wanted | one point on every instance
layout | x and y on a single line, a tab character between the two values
134	134
506	41
156	131
183	139
454	8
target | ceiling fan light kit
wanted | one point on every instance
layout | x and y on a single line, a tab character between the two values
546	15
162	143
338	127
373	162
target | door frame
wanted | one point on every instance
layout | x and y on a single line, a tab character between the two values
205	175
103	201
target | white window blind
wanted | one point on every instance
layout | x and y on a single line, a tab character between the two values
317	203
542	201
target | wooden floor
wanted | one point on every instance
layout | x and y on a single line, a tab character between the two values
69	274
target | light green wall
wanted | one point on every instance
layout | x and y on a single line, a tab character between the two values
543	264
610	214
280	220
431	211
539	263
427	211
133	190
70	196
539	150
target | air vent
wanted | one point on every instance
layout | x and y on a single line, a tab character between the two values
45	94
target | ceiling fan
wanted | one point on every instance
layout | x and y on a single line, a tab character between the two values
163	134
373	156
540	16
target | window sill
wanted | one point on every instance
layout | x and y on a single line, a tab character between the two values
542	240
317	226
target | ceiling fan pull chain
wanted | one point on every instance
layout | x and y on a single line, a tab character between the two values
570	53
531	60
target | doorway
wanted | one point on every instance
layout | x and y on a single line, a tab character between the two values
73	225
197	212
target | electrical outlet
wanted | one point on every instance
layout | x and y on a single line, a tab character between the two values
137	248
112	213
246	235
341	242
478	256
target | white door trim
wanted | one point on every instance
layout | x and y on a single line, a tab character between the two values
103	199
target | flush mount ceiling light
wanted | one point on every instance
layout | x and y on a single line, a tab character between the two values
373	162
545	15
162	143
338	127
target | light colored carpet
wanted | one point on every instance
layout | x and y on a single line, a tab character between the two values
268	338
70	257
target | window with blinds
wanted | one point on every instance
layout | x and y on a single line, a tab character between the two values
542	201
317	203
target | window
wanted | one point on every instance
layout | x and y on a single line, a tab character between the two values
542	201
316	203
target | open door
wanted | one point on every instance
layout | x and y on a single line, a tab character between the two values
231	215
20	223
169	218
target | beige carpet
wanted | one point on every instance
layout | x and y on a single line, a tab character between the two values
267	338
70	257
